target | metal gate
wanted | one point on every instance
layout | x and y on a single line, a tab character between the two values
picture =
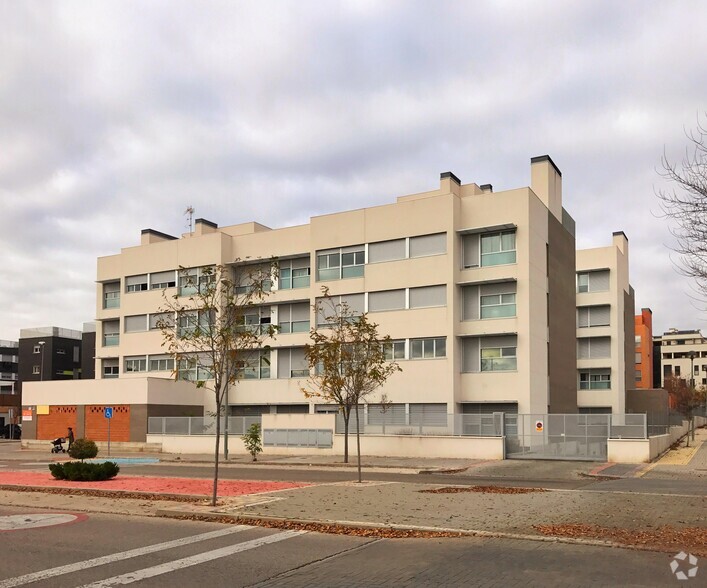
557	436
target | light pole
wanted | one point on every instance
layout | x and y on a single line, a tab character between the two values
691	425
41	368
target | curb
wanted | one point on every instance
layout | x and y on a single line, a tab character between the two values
268	521
77	490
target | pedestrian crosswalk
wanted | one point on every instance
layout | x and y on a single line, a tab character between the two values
152	571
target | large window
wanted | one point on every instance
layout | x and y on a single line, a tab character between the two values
189	368
293	318
394	350
498	248
111	295
291	363
161	280
254	365
294	273
161	363
498	306
111	333
426	245
330	308
135	323
110	368
386	300
136	364
387	251
593	316
191	322
596	281
428	296
499	359
193	280
257	320
161	319
136	283
594	348
337	264
598	379
428	348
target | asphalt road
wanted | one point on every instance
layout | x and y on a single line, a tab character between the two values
159	552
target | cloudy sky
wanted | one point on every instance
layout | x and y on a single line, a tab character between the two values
115	116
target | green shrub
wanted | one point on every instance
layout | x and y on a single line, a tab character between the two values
83	449
79	471
252	441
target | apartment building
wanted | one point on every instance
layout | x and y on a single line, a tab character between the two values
49	353
476	288
9	391
643	325
684	354
605	327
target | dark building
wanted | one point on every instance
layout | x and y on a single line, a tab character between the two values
88	351
10	402
49	353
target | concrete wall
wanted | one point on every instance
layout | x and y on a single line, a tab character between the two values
371	445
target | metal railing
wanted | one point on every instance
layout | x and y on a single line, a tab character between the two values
198	425
628	426
448	425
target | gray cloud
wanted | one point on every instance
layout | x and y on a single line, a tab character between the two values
115	116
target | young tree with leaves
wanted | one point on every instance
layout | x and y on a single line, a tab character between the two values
686	399
348	360
206	330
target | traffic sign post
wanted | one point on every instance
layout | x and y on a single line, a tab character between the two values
108	413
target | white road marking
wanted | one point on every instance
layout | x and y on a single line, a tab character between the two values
194	560
106	559
32	521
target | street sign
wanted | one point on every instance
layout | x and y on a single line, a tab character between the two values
108	412
539	426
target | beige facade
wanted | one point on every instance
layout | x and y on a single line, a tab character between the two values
458	276
605	315
683	353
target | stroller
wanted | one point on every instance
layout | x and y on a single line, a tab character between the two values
58	445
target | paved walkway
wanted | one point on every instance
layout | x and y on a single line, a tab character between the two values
683	461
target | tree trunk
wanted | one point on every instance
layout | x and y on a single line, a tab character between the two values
214	494
687	437
347	416
358	445
225	428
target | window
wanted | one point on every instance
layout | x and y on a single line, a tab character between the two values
135	364
498	248
484	301
394	350
667	370
596	281
136	323
191	369
386	300
253	277
165	319
638	358
294	273
428	296
61	351
291	363
491	353
37	349
639	377
677	371
387	251
136	283
498	306
593	316
594	348
110	368
254	365
638	340
599	379
428	245
386	414
111	295
194	279
336	264
111	333
193	323
161	280
161	363
329	309
293	318
428	414
256	320
35	369
428	348
498	359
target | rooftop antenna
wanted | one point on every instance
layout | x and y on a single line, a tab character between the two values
190	212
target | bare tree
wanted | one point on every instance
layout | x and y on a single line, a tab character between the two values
686	399
206	329
348	360
686	205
